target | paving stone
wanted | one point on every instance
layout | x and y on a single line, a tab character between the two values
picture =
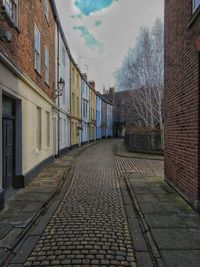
182	258
4	229
178	238
164	221
144	259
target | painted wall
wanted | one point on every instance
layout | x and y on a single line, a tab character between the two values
98	117
63	100
92	115
85	111
75	106
109	121
29	100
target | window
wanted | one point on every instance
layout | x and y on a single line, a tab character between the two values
38	129
73	103
46	65
46	9
196	3
37	49
64	131
73	75
77	103
63	56
63	95
48	129
11	9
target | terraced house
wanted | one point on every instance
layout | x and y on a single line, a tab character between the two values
27	91
92	121
46	105
85	109
75	106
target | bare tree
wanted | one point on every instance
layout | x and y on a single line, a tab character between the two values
142	73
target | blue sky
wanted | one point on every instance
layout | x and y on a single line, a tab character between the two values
88	7
100	32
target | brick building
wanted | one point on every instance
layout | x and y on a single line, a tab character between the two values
182	93
27	84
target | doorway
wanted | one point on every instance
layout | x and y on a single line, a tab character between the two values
8	144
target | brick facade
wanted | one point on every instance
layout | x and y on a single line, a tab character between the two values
181	99
21	48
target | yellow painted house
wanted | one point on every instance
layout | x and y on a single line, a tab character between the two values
75	106
92	113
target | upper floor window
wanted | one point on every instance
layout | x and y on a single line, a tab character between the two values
46	9
63	56
37	49
46	65
11	10
196	3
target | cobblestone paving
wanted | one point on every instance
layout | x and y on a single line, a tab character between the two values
90	227
128	165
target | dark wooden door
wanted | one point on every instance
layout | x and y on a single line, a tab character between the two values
8	152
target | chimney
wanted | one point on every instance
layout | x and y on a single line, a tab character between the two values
111	91
92	84
85	76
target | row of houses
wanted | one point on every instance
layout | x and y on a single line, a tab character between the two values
47	105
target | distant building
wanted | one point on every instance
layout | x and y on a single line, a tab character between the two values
75	106
85	110
98	116
182	102
92	120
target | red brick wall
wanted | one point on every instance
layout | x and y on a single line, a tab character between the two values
181	99
21	48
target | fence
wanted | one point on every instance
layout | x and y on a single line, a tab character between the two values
148	142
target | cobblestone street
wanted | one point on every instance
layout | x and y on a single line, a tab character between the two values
90	227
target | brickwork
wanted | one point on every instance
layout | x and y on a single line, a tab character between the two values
21	48
181	99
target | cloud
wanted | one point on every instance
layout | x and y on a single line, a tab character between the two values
98	23
78	16
88	7
90	41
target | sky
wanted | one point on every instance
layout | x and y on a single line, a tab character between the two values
100	32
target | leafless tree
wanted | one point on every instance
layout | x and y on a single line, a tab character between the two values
142	73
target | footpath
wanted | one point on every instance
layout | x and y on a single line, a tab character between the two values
32	203
164	227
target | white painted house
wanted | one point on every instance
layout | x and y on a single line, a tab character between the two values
63	91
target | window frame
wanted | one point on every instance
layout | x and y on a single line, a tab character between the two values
8	7
195	6
37	53
46	9
46	64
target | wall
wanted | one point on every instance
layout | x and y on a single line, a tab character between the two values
75	105
98	117
30	99
21	49
181	100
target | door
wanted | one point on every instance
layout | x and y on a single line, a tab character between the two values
8	152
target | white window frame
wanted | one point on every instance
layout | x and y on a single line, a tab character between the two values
195	4
46	65
46	9
63	56
38	129
37	49
9	9
48	129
